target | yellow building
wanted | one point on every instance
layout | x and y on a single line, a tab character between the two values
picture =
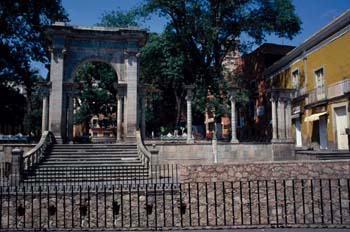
319	72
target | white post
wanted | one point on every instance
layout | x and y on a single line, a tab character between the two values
119	117
274	118
233	120
45	113
281	119
189	98
288	119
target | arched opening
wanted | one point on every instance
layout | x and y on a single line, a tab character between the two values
94	103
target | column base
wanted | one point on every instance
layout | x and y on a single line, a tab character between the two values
234	141
190	140
59	139
130	139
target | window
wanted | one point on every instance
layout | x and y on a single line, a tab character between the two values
295	79
319	83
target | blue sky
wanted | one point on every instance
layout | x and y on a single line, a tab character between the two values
313	13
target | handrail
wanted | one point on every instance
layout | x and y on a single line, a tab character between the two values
144	154
36	154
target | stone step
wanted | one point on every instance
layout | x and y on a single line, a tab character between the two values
92	155
95	152
333	157
87	175
80	158
87	179
79	163
91	146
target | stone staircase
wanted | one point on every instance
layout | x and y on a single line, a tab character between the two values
90	164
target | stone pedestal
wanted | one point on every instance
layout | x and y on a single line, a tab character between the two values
154	161
16	166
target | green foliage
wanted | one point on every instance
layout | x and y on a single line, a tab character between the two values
97	94
191	50
207	30
22	38
118	18
22	41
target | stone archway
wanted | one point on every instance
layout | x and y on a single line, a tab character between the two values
73	45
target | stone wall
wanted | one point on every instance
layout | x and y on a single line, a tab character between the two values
5	150
265	170
203	153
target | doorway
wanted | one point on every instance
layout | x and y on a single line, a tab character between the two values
323	131
298	132
340	119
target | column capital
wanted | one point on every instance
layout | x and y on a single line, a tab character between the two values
233	99
58	50
71	89
45	88
189	94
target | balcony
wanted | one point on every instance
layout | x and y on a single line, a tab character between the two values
299	92
335	90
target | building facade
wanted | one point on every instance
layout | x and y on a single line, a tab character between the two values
318	70
255	118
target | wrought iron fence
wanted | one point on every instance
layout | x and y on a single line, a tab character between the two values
278	203
93	175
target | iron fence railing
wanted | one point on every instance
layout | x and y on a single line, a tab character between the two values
278	203
93	175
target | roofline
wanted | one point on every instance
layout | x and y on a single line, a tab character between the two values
331	28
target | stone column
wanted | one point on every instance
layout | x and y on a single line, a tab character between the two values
131	93
274	118
142	109
70	116
45	112
281	119
189	98
119	116
233	116
56	97
288	119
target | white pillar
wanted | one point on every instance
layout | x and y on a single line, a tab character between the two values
288	119
233	120
131	93
274	119
56	97
143	117
189	119
70	116
45	113
119	117
281	119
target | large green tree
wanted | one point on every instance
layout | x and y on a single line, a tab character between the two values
22	41
96	92
197	38
207	30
